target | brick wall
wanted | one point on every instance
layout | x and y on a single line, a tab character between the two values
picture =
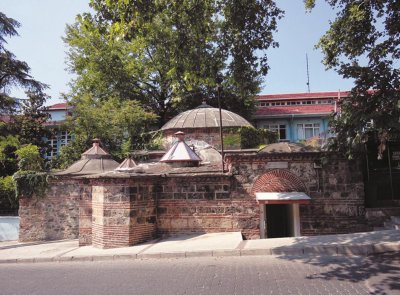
115	212
204	204
336	189
85	216
54	217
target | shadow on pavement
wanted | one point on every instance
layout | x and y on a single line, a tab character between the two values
16	244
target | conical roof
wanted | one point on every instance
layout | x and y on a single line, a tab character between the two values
205	116
93	161
127	165
180	152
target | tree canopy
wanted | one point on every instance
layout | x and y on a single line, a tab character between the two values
24	124
167	54
363	43
13	72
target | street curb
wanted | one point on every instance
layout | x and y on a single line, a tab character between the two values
331	250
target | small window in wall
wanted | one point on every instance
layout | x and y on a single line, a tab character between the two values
307	130
279	128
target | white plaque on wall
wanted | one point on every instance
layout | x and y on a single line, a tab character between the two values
277	165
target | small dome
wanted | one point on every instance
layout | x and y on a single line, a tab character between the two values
205	116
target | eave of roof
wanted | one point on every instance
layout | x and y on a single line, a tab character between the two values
297	110
59	106
306	95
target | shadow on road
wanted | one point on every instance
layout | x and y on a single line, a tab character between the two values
380	272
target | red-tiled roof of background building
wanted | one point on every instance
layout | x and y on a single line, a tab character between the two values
294	110
59	106
305	95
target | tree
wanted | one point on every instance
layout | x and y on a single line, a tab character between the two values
116	122
363	43
26	125
167	54
13	72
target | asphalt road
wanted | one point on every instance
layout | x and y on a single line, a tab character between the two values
208	275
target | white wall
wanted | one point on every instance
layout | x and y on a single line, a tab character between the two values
9	228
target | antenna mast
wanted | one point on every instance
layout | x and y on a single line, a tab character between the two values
308	74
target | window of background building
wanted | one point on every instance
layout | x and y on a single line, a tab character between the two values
307	130
55	143
279	128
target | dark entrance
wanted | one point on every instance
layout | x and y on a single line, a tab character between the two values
382	181
277	221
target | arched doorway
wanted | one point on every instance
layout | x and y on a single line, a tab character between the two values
279	194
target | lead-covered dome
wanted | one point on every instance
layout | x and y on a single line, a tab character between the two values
205	116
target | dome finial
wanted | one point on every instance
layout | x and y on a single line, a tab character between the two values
180	135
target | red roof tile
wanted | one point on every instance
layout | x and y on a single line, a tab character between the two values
306	95
59	106
294	110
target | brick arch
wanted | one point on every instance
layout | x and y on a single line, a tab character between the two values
279	180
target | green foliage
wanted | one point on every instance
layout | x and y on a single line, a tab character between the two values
232	140
167	54
30	125
26	126
30	183
30	179
119	124
7	192
8	159
156	141
29	158
363	43
251	137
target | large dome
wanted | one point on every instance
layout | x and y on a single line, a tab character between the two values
205	116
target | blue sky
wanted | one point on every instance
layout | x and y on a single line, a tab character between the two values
43	24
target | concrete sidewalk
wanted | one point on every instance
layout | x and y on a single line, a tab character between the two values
216	244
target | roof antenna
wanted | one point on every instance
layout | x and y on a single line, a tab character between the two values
308	75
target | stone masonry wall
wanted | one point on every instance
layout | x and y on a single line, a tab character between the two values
205	204
336	189
53	217
124	213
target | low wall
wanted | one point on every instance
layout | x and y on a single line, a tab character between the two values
123	210
53	217
9	228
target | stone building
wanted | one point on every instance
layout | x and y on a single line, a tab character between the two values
282	190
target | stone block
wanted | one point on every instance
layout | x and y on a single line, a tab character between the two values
251	252
355	250
179	223
287	251
321	250
179	196
199	253
230	252
173	255
148	255
386	247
